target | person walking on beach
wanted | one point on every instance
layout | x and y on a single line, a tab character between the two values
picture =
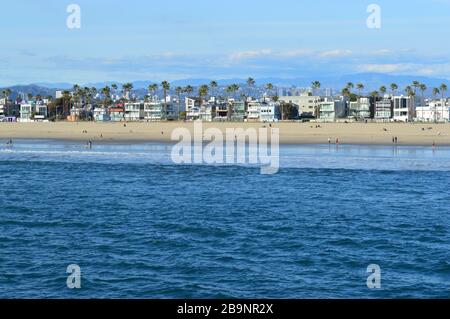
329	140
337	140
396	140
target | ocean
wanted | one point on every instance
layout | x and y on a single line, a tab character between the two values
139	226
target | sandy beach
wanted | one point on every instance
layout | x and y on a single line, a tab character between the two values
290	133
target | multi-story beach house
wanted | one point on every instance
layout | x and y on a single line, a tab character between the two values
134	111
253	111
331	110
363	108
101	114
308	105
269	112
222	109
154	111
402	109
40	111
192	103
383	109
435	111
26	112
238	111
116	114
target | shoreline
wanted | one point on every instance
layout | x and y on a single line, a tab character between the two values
408	134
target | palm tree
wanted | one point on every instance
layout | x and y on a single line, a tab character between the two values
66	101
213	85
127	88
443	89
106	92
114	87
350	86
166	87
345	91
315	86
360	87
76	93
422	88
436	91
374	94
152	88
231	89
411	93
250	83
178	91
269	88
383	90
394	88
189	89
415	85
6	94
203	92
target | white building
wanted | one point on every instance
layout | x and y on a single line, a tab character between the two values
403	109
436	111
331	110
361	109
101	114
268	112
26	112
307	105
153	111
383	109
41	111
253	111
134	111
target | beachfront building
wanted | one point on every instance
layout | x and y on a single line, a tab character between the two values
402	109
269	112
26	112
362	108
206	112
253	111
192	103
307	105
435	111
40	111
383	109
153	111
222	109
134	111
101	114
238	111
116	114
331	110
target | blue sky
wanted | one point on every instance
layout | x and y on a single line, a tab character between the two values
174	39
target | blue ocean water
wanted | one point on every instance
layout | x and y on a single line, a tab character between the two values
141	227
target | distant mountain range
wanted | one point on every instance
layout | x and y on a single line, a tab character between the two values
371	81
